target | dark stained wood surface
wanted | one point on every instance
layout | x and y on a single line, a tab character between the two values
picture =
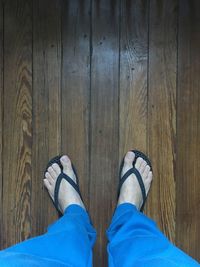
75	101
188	130
104	118
1	116
133	76
162	111
17	122
46	105
94	79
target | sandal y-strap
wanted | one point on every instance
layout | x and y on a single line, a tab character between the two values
61	176
133	170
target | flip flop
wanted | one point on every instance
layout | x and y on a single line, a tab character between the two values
137	174
61	176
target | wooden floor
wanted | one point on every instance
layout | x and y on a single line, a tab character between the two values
93	79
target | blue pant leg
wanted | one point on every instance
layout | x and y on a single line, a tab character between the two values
68	240
135	241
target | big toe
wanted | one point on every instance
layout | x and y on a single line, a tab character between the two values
67	166
128	161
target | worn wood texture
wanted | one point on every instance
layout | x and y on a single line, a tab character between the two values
1	118
104	118
17	122
46	105
76	87
93	79
188	130
133	76
162	112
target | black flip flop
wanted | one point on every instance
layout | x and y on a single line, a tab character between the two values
137	174
61	176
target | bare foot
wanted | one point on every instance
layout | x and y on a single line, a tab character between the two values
67	194
130	190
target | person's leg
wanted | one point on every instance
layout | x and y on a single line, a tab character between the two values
134	239
70	239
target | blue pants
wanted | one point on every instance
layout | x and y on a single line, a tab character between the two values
134	241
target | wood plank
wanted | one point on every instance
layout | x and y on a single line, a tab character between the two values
17	123
46	105
104	119
188	129
133	76
75	87
1	120
162	112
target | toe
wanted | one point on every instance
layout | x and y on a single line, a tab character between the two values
150	176
49	178
128	161
142	166
138	163
47	184
56	168
146	171
65	161
129	157
52	172
67	166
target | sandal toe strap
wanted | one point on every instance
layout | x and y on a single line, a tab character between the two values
140	181
57	186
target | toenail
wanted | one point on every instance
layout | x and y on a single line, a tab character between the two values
64	158
54	165
130	154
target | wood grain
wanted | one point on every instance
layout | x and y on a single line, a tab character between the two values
188	130
133	76
93	79
46	105
104	119
1	119
75	88
17	123
162	112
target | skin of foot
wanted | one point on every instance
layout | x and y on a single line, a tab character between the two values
130	190
67	194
